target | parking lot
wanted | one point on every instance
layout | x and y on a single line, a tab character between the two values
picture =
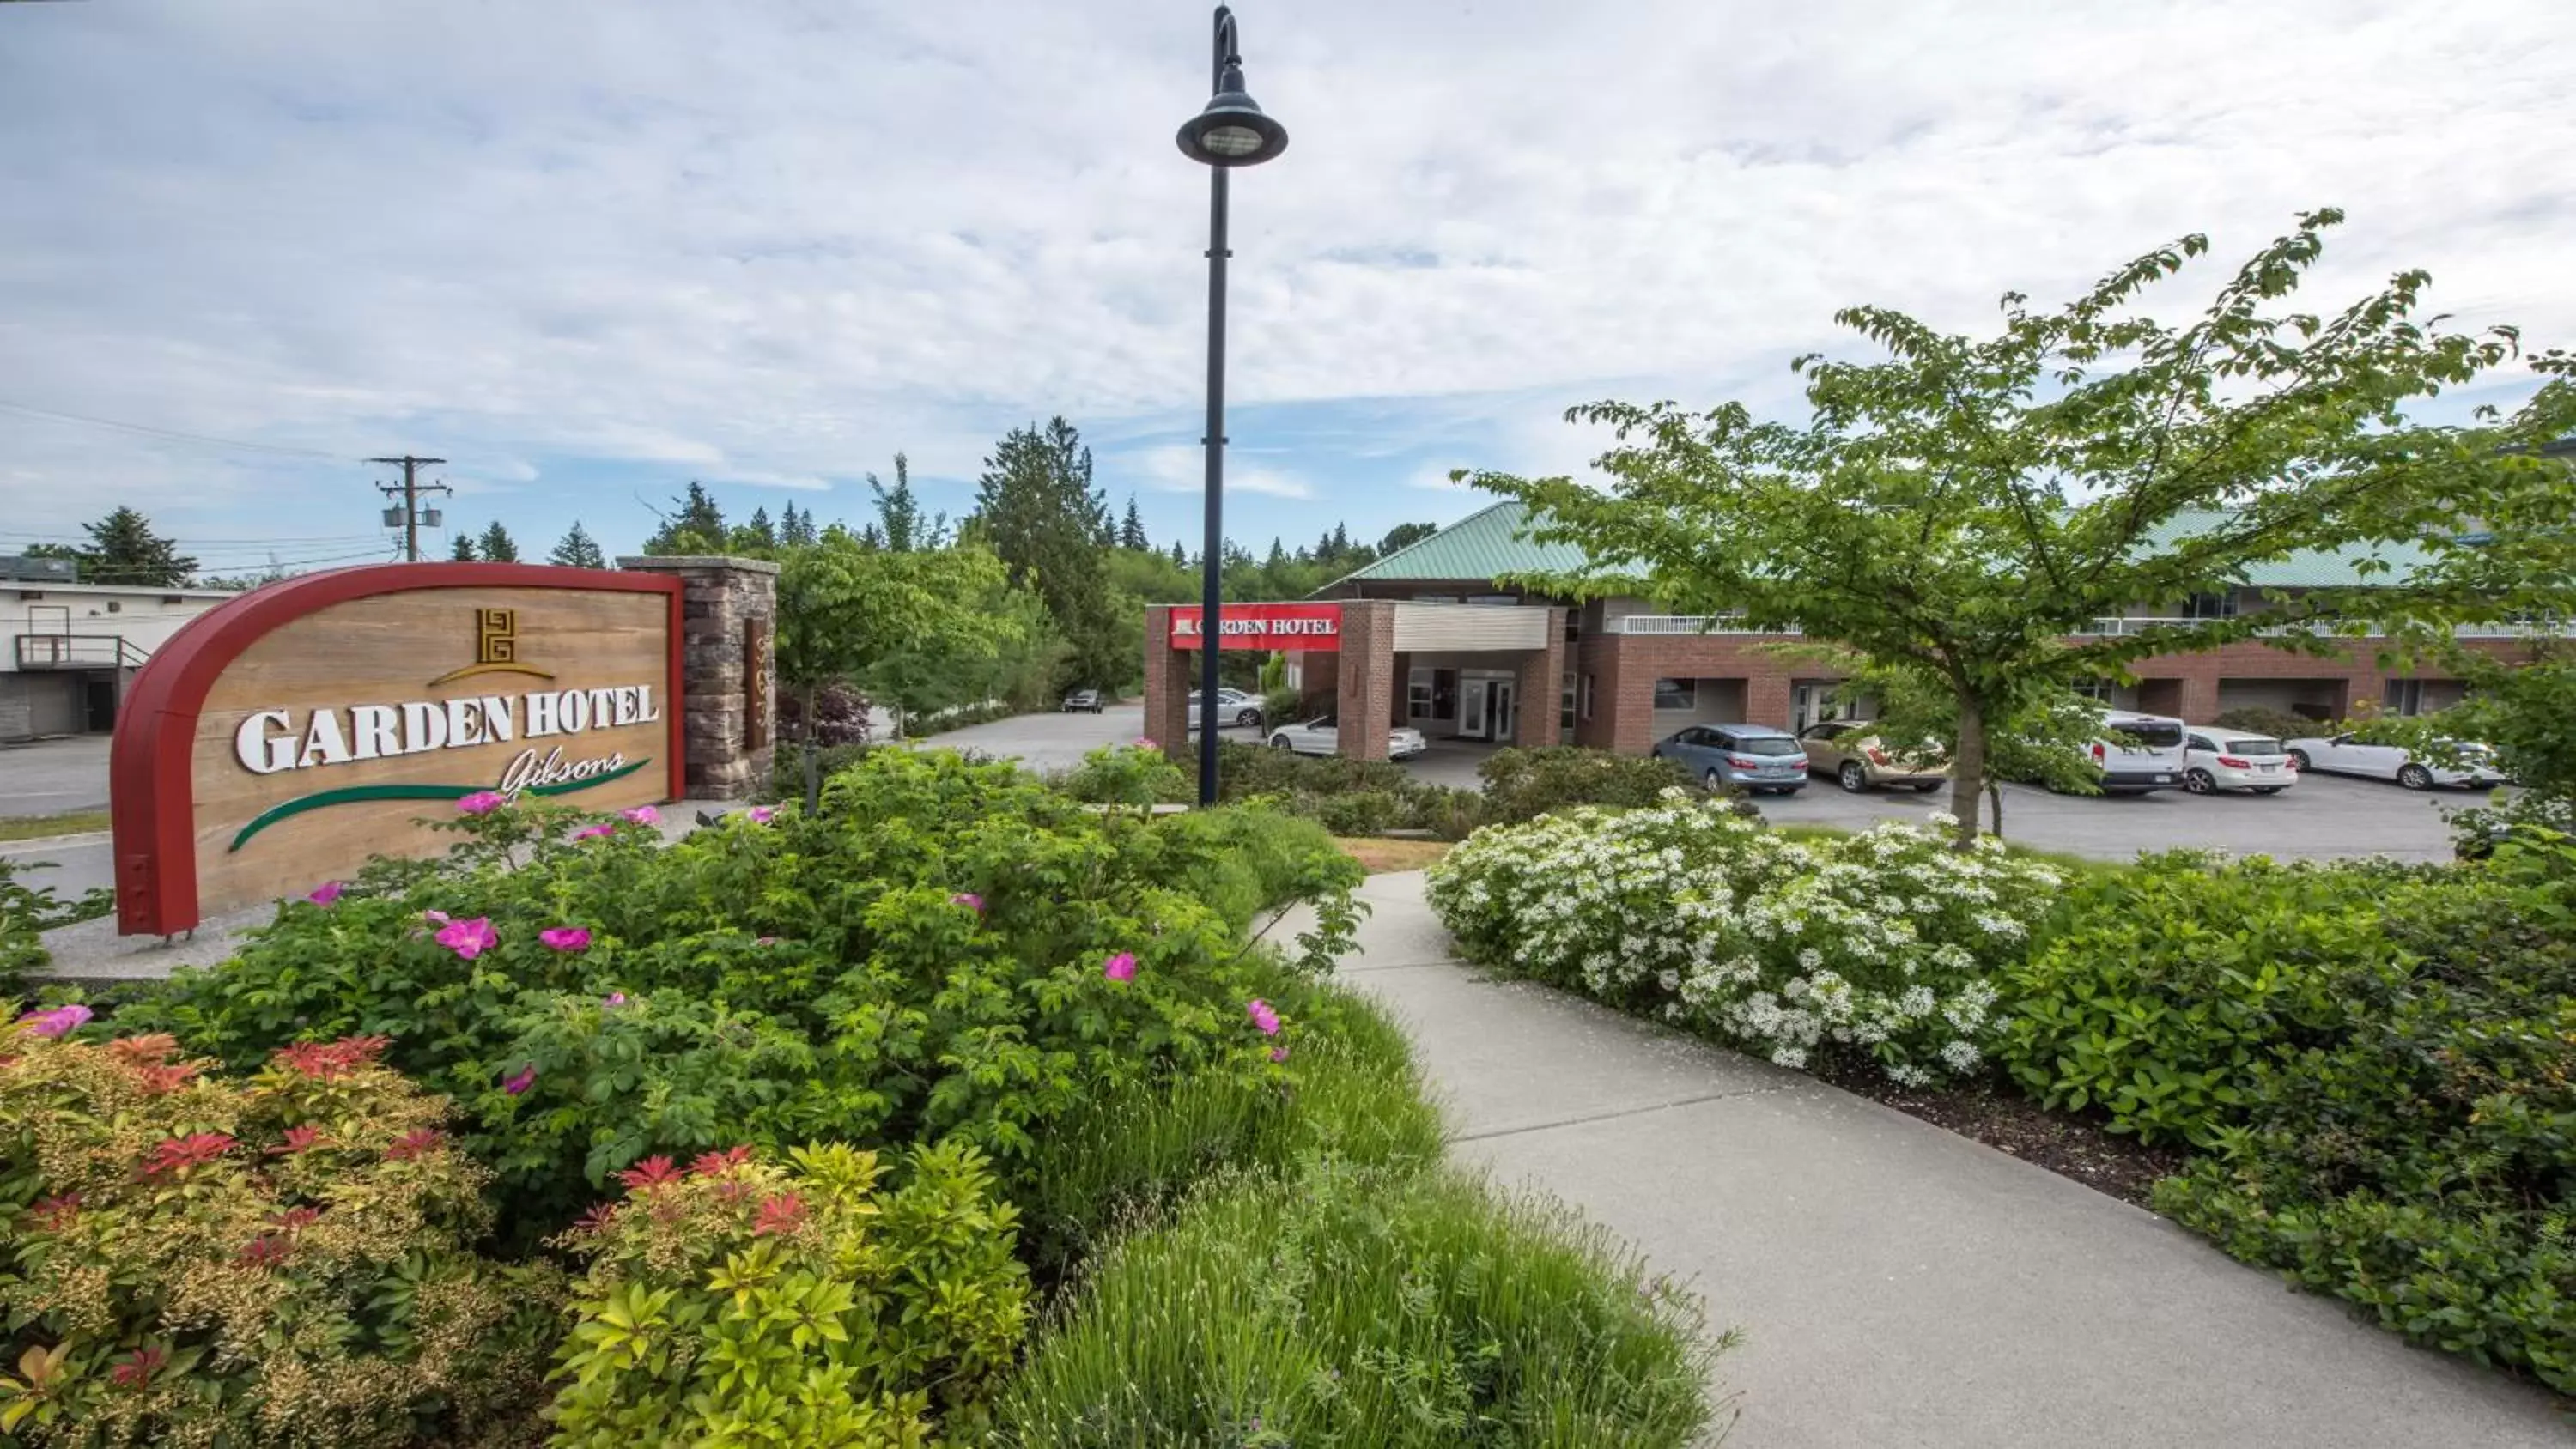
2324	817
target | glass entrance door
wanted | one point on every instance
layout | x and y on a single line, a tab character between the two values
1500	714
1471	709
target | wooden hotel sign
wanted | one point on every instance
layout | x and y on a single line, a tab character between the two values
281	738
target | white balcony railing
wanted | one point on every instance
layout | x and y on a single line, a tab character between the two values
1688	624
2100	628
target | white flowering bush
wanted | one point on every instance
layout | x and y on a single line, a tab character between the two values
1878	945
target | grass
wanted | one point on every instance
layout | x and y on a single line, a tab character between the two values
37	827
1366	1308
1263	1269
1378	857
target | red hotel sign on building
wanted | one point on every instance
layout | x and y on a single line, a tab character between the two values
1263	626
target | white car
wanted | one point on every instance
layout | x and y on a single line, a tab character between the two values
1321	736
2344	755
2216	759
2139	753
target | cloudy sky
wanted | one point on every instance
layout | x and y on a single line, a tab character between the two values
588	252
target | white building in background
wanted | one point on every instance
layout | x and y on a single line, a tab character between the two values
68	650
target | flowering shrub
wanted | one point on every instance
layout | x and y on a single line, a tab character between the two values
922	956
1138	775
737	1301
1877	945
277	1261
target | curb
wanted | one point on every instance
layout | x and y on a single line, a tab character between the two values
55	842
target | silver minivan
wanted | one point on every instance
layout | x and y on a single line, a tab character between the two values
2139	753
1746	756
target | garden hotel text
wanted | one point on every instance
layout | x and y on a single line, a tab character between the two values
268	741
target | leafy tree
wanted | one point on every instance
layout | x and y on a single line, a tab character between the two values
123	549
1965	508
578	551
461	548
696	526
1036	508
756	539
845	612
1405	535
2043	735
1131	532
496	545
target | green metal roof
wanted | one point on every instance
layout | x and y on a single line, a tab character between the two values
1487	545
1481	547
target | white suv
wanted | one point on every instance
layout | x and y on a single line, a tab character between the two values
2217	759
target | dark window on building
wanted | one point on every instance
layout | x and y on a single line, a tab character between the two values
2209	606
1444	694
1676	694
1587	696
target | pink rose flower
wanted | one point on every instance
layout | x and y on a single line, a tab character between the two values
765	941
593	832
1279	1053
642	815
435	918
1262	1016
60	1022
566	938
481	802
1121	967
469	939
519	1084
969	900
613	1000
1146	744
762	814
325	893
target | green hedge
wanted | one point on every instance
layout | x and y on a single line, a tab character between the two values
2377	1064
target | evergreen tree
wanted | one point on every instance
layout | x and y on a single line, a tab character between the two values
1278	555
124	550
697	527
461	549
1036	508
761	529
496	545
796	529
1180	555
898	512
577	551
1131	534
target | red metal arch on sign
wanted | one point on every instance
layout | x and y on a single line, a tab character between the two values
152	809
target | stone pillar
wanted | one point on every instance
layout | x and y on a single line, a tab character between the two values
1367	677
1169	676
1319	683
728	670
1542	679
1401	673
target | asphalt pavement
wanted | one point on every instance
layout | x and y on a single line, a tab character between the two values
1898	1284
54	777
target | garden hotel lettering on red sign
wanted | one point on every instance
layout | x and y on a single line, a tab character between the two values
1263	626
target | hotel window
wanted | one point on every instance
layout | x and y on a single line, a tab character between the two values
2405	697
1587	697
2210	606
1565	703
1444	694
1417	694
1676	694
2093	689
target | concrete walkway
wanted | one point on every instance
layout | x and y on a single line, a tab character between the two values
1899	1285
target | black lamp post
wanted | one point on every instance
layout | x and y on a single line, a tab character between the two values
1231	132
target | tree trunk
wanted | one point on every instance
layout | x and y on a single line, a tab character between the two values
1968	769
813	766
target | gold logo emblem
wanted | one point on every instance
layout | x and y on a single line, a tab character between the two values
496	648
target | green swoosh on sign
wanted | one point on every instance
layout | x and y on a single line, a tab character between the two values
355	793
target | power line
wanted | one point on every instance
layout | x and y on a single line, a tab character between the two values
172	434
215	543
411	488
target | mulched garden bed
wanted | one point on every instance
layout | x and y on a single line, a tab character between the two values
2005	1120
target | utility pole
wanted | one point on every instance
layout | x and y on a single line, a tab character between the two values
411	489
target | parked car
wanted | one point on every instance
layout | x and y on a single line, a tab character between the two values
2139	753
1750	757
1082	701
1323	736
1231	704
1857	759
2215	759
2344	754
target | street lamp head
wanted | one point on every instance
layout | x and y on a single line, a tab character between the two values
1232	131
